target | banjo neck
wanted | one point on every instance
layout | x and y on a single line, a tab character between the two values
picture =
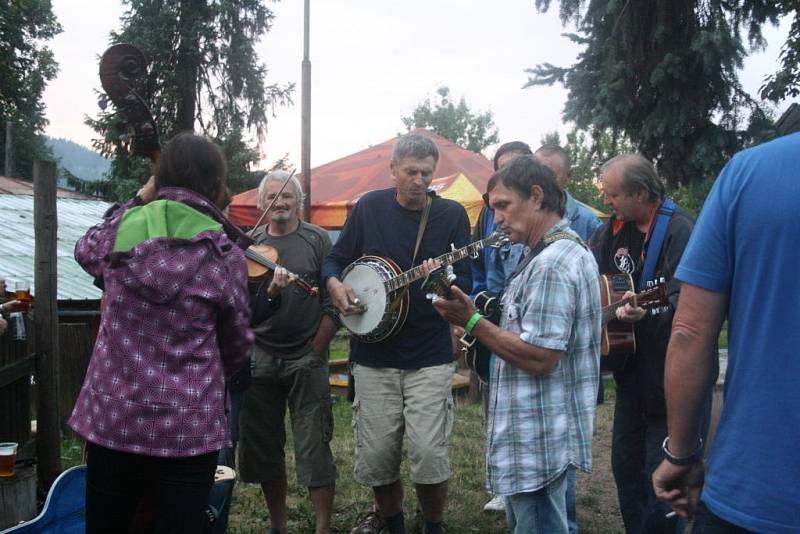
415	273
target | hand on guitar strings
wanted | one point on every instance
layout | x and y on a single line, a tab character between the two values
430	265
457	310
628	313
344	299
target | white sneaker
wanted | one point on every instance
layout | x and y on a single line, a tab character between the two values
497	504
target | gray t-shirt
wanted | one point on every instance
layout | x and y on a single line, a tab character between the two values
288	332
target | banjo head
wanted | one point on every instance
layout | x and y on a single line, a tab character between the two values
368	285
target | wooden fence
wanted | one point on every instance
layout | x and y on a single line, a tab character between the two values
76	330
16	366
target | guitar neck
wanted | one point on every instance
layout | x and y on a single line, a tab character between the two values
609	311
416	273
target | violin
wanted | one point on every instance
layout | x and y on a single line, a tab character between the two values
262	260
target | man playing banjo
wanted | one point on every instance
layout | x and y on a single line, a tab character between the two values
403	382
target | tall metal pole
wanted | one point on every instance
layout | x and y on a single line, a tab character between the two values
9	166
305	132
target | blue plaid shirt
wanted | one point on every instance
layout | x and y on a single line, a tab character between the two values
539	425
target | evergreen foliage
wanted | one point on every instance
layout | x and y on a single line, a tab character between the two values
26	65
454	121
664	74
786	81
586	158
203	75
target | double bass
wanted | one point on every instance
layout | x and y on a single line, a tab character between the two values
121	66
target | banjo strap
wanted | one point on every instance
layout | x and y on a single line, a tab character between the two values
422	223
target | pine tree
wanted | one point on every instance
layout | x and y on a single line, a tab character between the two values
204	75
454	121
26	65
663	73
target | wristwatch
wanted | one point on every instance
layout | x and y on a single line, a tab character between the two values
692	458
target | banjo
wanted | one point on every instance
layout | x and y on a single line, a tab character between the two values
383	289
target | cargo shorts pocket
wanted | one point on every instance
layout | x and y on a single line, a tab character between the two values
327	420
447	422
354	423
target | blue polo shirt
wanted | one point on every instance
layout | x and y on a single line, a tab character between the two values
747	244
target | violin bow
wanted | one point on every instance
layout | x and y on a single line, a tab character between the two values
271	204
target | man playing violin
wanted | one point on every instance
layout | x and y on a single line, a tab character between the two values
289	364
403	383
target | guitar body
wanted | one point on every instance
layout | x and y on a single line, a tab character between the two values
617	336
384	312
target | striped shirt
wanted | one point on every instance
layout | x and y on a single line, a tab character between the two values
539	425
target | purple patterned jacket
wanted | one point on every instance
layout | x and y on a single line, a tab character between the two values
175	317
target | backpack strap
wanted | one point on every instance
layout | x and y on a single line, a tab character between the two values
654	244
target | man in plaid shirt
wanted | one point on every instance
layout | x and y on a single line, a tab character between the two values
543	389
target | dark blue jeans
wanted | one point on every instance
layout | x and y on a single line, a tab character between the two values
635	453
221	494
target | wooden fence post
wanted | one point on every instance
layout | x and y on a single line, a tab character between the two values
45	329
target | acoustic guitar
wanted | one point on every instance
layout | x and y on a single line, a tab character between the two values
617	341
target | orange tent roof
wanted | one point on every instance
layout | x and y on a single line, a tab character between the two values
336	186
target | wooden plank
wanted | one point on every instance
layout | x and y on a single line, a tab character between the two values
16	370
75	343
17	497
45	321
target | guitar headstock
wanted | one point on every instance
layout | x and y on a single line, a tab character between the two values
438	282
654	297
496	239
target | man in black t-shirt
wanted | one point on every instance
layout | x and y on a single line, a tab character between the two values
403	383
634	192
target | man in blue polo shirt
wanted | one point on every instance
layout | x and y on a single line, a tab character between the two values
741	261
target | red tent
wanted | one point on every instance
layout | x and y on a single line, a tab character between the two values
336	186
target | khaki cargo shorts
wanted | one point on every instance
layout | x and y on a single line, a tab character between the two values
392	402
301	384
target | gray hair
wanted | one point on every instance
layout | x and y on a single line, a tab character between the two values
638	173
414	146
279	176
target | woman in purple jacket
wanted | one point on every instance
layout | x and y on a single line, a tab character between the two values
175	324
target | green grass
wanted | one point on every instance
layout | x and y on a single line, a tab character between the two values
597	502
339	347
723	336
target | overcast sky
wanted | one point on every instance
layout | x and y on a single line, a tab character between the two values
372	62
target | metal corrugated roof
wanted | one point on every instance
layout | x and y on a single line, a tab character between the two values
17	242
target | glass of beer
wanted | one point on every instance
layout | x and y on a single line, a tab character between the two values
8	455
22	292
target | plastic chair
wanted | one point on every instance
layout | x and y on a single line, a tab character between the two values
64	510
